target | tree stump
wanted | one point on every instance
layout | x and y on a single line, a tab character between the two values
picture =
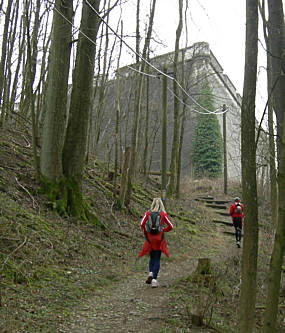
204	266
196	320
203	273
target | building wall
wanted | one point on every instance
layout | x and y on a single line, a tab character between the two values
200	64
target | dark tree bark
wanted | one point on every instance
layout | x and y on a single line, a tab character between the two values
164	135
270	88
75	145
137	104
4	47
249	188
56	94
175	138
276	52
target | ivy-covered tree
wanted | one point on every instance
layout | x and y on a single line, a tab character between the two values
207	151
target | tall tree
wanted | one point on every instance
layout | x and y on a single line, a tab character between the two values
276	52
248	159
270	89
137	102
274	276
164	135
207	142
56	94
276	43
75	145
175	137
181	124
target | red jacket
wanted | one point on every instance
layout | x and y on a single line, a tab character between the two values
233	212
155	242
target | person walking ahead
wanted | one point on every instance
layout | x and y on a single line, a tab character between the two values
152	225
236	210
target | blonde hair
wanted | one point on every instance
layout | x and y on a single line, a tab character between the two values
157	205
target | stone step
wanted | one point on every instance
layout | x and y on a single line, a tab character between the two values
221	201
227	223
223	213
202	198
216	206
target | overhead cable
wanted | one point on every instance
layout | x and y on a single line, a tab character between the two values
146	61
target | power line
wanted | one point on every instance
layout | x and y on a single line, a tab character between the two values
180	100
147	62
143	59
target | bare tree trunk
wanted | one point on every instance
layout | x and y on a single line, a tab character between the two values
124	180
9	70
272	156
30	95
12	98
137	103
75	145
276	36
4	47
116	141
274	276
276	40
146	130
225	153
164	134
181	124
56	98
249	187
174	149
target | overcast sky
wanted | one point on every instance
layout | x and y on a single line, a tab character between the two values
221	23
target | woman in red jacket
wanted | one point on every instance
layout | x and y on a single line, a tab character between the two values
155	243
236	210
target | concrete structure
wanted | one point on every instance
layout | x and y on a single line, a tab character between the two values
199	64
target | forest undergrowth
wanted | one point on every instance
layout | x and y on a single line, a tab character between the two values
51	264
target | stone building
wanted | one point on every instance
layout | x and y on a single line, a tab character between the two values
199	64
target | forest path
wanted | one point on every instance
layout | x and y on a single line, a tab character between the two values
133	306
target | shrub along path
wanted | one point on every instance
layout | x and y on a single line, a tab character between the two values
130	305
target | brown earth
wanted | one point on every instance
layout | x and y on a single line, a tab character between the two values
133	306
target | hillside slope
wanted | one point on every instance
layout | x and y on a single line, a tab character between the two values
58	274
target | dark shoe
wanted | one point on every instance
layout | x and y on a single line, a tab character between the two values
238	244
149	279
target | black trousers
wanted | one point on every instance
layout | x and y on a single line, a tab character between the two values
238	228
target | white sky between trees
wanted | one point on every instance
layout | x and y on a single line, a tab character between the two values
221	23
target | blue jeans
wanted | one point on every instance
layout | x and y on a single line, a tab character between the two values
154	262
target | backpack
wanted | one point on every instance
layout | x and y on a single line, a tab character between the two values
153	223
238	209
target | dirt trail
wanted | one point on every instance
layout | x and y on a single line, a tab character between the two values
129	305
133	306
